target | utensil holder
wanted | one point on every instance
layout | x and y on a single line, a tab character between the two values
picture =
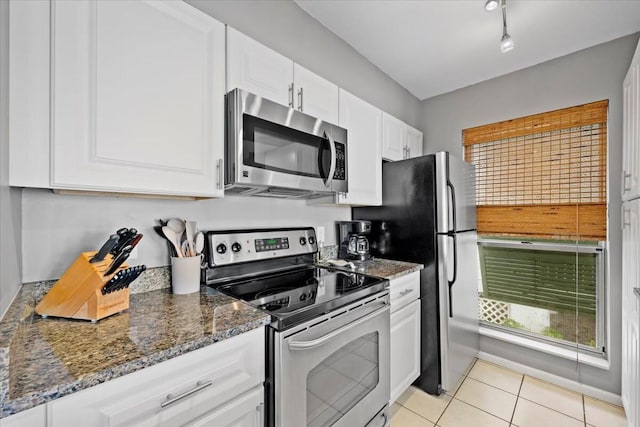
78	293
185	274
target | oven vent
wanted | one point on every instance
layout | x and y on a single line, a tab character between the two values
241	191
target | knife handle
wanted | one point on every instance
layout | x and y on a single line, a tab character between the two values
106	248
117	262
125	239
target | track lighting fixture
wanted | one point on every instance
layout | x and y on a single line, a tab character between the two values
506	43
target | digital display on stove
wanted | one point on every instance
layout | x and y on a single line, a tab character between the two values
272	244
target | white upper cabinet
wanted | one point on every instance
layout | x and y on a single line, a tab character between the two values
413	143
137	98
314	95
393	137
254	67
364	132
399	140
631	130
29	85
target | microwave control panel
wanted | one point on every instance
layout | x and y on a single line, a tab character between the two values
340	172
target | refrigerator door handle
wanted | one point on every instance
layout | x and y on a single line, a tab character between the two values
455	270
453	206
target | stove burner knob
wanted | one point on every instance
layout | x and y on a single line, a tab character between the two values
221	248
303	297
236	247
312	240
303	241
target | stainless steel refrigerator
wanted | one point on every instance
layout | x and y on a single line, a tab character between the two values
428	216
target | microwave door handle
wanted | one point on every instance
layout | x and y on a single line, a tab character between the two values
332	168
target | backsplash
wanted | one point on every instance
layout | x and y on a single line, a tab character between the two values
56	228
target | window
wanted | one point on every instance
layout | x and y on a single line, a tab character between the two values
542	221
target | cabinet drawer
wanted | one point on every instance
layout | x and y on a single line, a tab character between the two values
172	392
404	290
244	411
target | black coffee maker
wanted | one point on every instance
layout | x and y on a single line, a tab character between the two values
353	237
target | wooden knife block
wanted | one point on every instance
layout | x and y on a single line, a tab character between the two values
78	293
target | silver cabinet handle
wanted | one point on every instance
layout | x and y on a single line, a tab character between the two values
291	95
404	153
636	291
408	152
300	96
259	414
406	292
625	214
171	399
220	171
625	177
308	345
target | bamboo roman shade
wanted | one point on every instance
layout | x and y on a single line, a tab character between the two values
542	175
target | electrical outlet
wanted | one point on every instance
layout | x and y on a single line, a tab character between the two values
320	235
134	253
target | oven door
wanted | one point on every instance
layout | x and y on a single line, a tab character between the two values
334	370
274	146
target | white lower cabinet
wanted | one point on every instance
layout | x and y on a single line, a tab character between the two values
217	385
34	417
631	311
405	333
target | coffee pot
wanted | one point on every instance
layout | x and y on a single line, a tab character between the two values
354	241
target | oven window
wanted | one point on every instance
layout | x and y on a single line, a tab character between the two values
267	145
340	381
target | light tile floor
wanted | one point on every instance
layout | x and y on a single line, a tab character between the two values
493	396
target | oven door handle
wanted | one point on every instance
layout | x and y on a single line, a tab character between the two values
308	345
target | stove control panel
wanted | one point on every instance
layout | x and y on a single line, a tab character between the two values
232	247
273	244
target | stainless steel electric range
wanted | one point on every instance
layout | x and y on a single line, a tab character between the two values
327	361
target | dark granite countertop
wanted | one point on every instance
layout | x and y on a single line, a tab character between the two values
379	267
45	359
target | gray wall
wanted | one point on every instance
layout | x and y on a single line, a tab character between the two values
10	208
589	75
289	30
55	227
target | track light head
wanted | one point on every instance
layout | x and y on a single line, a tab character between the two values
506	44
491	5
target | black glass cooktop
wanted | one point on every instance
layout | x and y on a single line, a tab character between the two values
296	296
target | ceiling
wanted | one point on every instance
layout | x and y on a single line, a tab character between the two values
436	46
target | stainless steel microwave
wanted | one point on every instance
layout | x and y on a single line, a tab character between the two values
273	150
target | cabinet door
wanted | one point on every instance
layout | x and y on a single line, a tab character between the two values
405	348
170	393
393	138
254	67
631	130
631	311
244	411
314	95
414	143
138	103
29	81
34	417
364	132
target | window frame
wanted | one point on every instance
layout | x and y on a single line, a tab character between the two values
599	249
